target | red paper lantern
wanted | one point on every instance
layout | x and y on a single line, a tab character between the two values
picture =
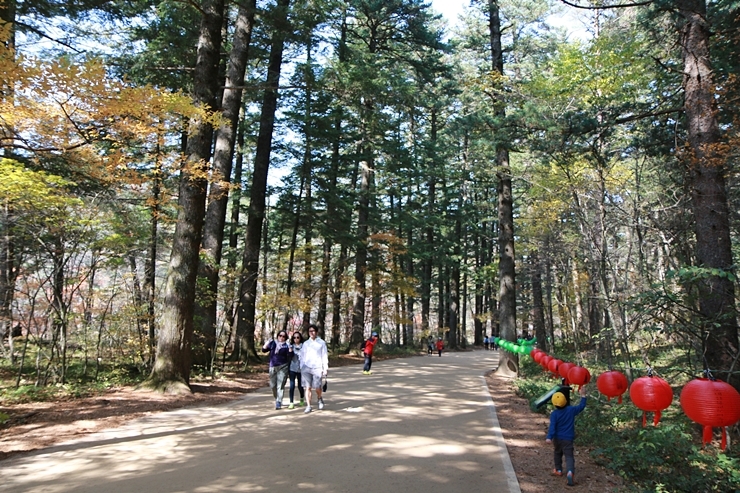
563	370
536	354
711	403
578	375
651	394
612	384
545	360
553	366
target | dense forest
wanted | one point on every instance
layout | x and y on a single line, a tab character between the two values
180	180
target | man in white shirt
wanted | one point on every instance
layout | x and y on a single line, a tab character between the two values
314	365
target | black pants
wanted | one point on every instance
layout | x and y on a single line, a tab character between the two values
295	375
564	447
368	362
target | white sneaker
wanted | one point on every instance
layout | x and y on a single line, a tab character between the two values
308	410
321	404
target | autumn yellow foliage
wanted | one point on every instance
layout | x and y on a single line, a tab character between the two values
77	111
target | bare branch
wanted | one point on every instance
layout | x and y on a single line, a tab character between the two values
44	35
640	116
617	6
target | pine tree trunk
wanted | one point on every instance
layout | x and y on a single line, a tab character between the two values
538	312
171	369
408	337
508	363
706	162
150	267
218	196
250	261
358	310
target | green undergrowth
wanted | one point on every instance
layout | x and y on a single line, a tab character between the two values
667	458
79	382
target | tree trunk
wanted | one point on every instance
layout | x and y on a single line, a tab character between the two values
139	306
307	171
59	305
171	369
308	256
150	267
231	262
376	293
426	278
508	363
8	276
358	310
336	299
538	312
550	331
218	196
291	255
706	162
408	338
454	318
250	261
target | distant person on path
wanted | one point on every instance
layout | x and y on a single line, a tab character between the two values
440	346
562	432
294	371
314	366
485	342
367	350
430	345
279	364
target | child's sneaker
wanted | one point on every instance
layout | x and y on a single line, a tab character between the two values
557	472
291	406
302	403
569	477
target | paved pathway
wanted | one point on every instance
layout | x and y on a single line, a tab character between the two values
424	424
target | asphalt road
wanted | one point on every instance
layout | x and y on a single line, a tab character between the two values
424	424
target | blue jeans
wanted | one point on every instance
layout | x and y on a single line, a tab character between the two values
293	376
368	362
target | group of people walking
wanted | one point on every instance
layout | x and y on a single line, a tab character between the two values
306	363
435	346
489	342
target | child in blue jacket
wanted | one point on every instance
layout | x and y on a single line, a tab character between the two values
562	432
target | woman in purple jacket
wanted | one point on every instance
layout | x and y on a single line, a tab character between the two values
279	363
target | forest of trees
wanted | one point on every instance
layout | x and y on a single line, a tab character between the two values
182	179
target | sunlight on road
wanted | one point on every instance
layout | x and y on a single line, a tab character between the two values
418	425
413	446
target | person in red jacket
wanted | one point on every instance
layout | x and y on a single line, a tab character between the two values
367	351
440	346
